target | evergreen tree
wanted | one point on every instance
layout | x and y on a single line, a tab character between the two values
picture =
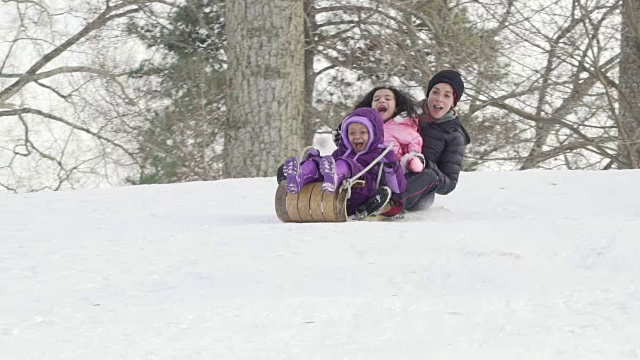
182	140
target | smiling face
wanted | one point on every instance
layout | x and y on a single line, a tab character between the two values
358	136
440	100
385	102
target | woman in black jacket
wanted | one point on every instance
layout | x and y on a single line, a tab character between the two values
444	142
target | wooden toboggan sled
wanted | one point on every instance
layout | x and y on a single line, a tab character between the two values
312	204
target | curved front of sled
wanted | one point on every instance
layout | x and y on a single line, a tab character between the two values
311	204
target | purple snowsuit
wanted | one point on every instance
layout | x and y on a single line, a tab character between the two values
393	175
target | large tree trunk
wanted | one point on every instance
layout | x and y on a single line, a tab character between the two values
265	86
629	127
311	26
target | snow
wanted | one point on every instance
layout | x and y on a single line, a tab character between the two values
511	265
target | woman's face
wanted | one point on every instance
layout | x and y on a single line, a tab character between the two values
440	100
385	102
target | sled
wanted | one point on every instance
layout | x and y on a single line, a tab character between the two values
312	204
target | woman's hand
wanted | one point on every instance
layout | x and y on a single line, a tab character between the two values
430	165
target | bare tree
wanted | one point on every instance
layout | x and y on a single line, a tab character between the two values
354	45
559	59
49	89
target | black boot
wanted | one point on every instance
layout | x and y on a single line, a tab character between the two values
377	201
280	174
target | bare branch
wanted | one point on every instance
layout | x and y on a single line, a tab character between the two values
22	111
109	14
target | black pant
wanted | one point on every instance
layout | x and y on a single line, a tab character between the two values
420	192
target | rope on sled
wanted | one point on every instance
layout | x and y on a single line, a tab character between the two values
346	184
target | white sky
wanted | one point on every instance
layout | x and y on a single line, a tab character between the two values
512	265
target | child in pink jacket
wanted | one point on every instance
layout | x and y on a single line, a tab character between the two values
407	143
398	112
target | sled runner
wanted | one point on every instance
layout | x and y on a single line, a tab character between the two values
312	204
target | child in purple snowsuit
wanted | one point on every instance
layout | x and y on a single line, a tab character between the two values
362	142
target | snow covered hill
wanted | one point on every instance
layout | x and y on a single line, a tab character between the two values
512	265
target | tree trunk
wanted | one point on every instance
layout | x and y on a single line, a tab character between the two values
311	26
629	127
265	85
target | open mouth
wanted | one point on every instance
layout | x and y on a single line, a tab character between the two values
382	108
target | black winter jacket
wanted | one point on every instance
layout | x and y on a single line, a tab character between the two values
444	144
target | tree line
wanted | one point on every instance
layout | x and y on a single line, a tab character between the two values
159	92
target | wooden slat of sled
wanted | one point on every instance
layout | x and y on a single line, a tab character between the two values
310	205
281	202
315	202
340	206
304	203
327	206
292	207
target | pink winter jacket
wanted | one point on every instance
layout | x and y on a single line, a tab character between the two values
403	133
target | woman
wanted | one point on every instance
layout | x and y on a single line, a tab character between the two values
444	143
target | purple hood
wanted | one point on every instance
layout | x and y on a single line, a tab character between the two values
370	118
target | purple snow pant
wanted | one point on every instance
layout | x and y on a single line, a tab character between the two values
345	168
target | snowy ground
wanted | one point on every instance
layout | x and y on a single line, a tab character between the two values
512	265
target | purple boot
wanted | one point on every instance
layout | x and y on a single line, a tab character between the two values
332	173
291	169
298	175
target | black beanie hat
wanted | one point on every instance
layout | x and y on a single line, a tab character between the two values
450	77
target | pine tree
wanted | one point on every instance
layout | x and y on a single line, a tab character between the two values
182	141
